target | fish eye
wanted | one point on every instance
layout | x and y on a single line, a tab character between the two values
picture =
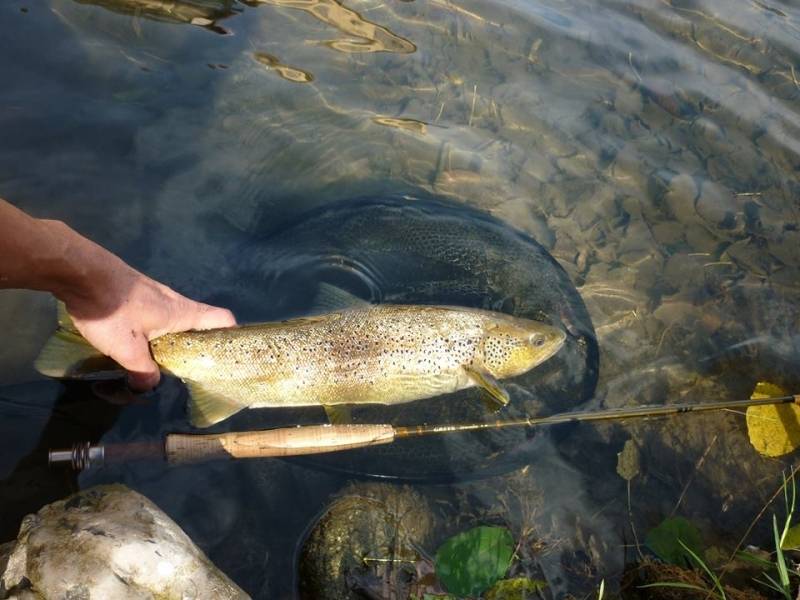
538	340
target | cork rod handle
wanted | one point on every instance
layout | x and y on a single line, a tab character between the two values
288	441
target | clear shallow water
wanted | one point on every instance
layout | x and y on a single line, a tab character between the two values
651	147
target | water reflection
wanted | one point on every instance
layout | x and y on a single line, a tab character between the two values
366	35
406	124
289	73
197	12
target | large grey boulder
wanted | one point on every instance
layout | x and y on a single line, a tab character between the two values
108	542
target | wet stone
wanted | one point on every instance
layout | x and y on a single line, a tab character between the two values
700	239
668	233
787	248
367	539
628	101
680	197
710	134
716	205
110	542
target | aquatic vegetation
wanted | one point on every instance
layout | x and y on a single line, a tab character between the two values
470	562
516	588
774	572
716	591
675	540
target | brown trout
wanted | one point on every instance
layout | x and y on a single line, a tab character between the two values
380	354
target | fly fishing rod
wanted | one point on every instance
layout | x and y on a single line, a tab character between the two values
319	439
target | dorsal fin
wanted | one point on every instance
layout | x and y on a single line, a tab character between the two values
331	298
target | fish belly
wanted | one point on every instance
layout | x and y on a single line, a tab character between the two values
357	389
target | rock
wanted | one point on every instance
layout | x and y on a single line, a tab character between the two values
109	542
628	101
680	197
367	537
717	207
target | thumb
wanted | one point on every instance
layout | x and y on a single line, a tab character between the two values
134	357
205	316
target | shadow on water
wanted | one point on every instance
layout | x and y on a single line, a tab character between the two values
28	482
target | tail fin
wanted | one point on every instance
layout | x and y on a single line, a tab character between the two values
68	355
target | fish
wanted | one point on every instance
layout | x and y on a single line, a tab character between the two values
366	354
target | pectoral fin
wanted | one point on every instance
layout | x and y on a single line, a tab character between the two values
493	394
338	414
207	407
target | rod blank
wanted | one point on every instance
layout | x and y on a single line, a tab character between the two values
318	439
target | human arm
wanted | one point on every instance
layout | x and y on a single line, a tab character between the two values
115	307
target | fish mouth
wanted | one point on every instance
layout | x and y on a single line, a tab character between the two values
555	347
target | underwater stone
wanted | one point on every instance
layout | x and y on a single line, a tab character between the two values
110	542
668	233
700	239
712	135
628	101
367	537
680	197
717	206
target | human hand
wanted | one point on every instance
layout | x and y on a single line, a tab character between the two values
114	306
125	314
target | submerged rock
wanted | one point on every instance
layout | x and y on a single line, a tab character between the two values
366	544
109	542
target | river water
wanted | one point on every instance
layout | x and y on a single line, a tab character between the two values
650	146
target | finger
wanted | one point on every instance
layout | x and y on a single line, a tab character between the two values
134	357
143	382
208	317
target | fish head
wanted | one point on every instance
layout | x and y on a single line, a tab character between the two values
514	346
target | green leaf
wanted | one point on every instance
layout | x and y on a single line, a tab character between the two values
665	541
704	566
517	588
628	461
792	538
783	573
470	562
